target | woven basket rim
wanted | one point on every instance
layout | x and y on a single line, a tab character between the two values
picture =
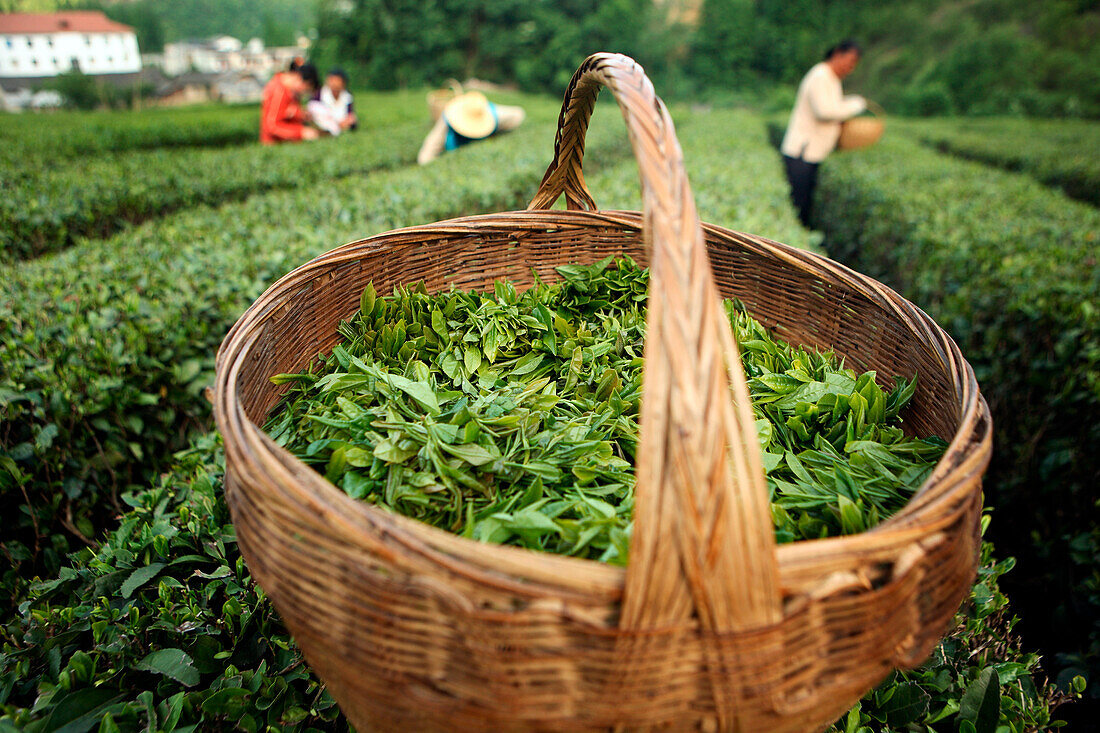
860	132
967	453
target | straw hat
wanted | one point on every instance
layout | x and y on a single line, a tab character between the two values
469	115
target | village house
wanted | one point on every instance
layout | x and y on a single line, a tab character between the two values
222	54
35	47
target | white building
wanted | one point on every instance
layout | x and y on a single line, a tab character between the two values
223	54
43	45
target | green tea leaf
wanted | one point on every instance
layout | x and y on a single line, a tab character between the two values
140	577
174	663
981	703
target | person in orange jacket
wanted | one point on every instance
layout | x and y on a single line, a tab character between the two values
281	116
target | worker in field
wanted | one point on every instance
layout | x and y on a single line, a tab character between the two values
466	118
282	117
332	108
814	127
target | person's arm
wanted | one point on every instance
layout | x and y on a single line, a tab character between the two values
434	143
828	104
509	118
280	117
322	117
350	120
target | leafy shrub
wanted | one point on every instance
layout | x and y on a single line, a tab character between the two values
1059	153
101	376
926	99
163	628
52	204
737	180
57	137
79	90
1009	268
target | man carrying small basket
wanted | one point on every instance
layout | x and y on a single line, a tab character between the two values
819	109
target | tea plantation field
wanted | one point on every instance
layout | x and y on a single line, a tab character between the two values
130	243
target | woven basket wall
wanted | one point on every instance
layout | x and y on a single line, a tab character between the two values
711	626
862	132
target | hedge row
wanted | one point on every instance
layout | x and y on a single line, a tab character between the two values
106	347
56	137
1009	268
48	207
736	178
51	207
163	629
1059	153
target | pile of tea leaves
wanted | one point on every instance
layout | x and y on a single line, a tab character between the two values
513	417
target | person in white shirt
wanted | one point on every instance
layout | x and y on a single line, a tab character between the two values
332	109
814	127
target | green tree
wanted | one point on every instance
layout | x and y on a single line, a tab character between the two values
536	44
78	89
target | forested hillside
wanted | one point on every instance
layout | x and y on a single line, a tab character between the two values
924	57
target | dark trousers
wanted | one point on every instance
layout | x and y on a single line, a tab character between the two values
803	178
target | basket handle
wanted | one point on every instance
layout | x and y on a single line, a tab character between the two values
875	109
703	542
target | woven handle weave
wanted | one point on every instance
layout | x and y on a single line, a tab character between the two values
703	543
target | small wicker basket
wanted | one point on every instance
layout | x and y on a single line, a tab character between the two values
711	626
862	132
438	98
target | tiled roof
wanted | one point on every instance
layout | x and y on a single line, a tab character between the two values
76	21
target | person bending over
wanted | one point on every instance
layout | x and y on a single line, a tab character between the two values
466	118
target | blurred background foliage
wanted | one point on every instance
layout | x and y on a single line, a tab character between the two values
924	57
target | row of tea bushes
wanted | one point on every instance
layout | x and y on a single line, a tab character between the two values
735	177
1010	269
51	205
163	629
159	629
58	136
105	348
1059	153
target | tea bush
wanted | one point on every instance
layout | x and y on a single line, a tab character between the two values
55	138
104	351
1009	268
1058	153
160	628
163	629
736	178
58	137
50	207
52	204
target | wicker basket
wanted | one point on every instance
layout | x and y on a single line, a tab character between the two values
438	98
711	626
862	132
